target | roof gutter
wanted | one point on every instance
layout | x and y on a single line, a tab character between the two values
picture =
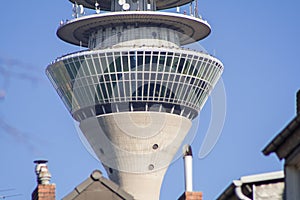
238	190
275	144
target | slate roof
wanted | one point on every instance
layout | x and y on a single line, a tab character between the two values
287	141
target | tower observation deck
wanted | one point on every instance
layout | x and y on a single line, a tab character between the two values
134	90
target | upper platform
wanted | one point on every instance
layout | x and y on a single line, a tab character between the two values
106	4
78	30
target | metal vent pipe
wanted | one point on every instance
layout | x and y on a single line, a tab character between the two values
188	168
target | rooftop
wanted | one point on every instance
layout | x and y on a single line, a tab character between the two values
98	187
287	141
246	182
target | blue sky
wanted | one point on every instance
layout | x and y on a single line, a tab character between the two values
257	41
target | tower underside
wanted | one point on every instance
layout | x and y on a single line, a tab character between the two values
136	147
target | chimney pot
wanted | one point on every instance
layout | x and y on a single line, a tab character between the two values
42	172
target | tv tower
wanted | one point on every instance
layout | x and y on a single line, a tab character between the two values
134	90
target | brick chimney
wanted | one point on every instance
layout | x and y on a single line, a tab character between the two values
191	196
44	190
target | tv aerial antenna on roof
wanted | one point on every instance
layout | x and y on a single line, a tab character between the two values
7	196
4	190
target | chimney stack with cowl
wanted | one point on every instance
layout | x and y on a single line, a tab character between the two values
44	190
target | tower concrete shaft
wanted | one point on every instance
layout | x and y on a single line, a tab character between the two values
134	90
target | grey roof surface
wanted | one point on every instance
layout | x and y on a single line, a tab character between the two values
286	141
97	187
